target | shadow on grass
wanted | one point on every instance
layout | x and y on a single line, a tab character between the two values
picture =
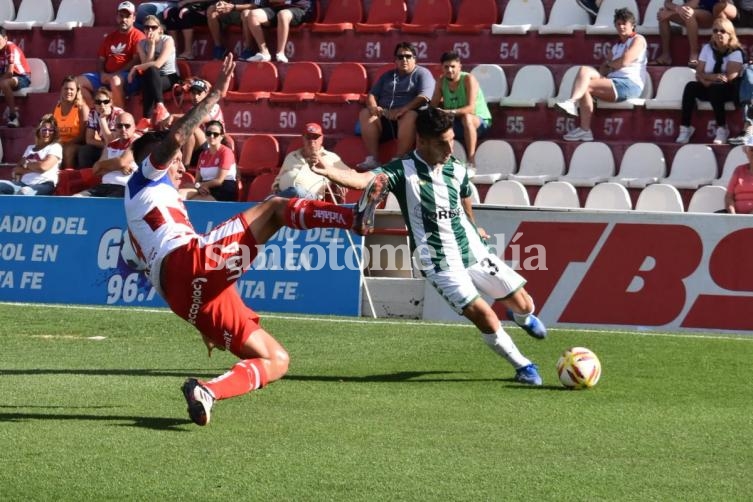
111	372
155	423
412	377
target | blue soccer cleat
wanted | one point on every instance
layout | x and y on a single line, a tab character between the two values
373	195
535	327
528	375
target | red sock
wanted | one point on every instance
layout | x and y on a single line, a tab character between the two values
245	376
307	213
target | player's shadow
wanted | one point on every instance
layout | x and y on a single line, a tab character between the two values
111	372
401	376
154	423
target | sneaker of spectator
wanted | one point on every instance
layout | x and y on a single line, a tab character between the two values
368	164
13	120
722	134
280	57
218	52
259	57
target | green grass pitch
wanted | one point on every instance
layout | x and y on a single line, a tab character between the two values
370	411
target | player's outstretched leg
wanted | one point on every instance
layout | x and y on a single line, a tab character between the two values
373	195
200	401
525	371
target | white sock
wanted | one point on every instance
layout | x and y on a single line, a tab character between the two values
524	319
501	343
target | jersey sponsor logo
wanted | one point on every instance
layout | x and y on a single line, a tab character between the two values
197	299
228	338
442	213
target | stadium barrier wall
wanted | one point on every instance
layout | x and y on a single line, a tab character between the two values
627	270
68	250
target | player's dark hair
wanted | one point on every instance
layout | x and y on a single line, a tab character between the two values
215	123
432	122
449	56
625	15
144	145
3	33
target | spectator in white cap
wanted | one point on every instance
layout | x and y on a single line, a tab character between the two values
117	54
296	179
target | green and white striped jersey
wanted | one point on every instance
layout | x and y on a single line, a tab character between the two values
440	233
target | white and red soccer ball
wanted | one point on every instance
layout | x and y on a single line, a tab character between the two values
578	368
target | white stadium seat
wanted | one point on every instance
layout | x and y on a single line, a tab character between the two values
7	10
565	17
542	161
629	104
492	80
72	14
609	196
40	78
507	193
557	194
659	197
495	160
592	162
669	93
734	158
533	84
520	17
604	24
707	199
566	86
642	164
31	14
694	165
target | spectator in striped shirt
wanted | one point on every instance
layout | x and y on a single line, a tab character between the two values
14	75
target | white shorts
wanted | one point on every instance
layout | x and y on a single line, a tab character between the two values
490	276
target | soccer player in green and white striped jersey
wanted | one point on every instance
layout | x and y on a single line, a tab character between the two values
434	194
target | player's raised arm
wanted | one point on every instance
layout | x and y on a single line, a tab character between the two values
344	177
182	129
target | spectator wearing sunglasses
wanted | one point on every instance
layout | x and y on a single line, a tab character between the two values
100	127
116	163
37	171
216	169
392	104
156	69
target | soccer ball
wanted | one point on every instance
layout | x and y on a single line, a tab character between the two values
578	368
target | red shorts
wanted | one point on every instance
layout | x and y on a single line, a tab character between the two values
199	283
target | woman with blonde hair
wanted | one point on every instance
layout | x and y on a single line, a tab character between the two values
36	173
717	75
70	113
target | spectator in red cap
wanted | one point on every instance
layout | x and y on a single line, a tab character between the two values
117	54
296	179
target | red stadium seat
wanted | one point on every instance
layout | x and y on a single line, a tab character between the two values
260	154
257	82
260	187
348	83
341	15
210	71
351	150
293	145
429	16
475	15
302	81
384	16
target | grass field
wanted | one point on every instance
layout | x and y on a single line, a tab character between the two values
370	411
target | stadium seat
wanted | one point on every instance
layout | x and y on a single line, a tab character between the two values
642	164
341	15
629	104
257	82
72	14
590	163
31	14
302	81
40	78
735	157
694	165
348	83
566	86
458	151
650	25
495	160
520	17
352	196
210	70
260	154
475	15
384	16
707	199
671	85
475	196
492	80
260	187
429	16
7	10
604	23
542	161
609	196
557	194
659	197
507	193
351	150
295	143
391	203
565	17
533	84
